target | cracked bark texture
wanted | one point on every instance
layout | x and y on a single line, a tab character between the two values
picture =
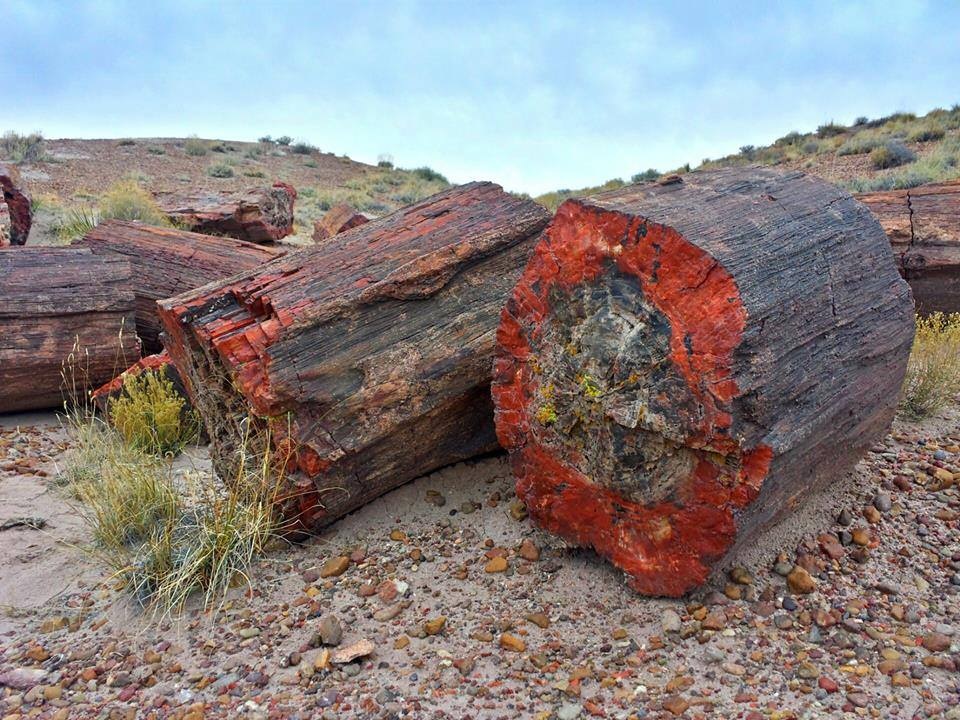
923	225
60	302
167	262
682	363
368	356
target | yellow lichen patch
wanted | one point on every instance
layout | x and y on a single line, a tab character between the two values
547	414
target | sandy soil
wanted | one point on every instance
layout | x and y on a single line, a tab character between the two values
869	632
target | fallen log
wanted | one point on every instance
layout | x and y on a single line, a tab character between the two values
62	305
681	364
16	214
923	225
167	262
261	215
372	351
336	220
159	363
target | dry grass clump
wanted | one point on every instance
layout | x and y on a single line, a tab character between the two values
22	148
169	537
933	371
125	200
196	147
152	416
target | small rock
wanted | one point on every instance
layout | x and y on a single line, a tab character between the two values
675	704
529	551
496	565
882	502
800	581
330	630
670	621
346	654
539	619
335	567
512	643
936	642
433	627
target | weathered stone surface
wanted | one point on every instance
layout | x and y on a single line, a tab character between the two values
336	220
260	215
682	362
923	225
374	348
60	304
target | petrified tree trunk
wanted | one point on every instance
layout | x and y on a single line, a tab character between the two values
158	363
167	262
336	220
681	363
261	215
923	224
16	214
61	305
372	350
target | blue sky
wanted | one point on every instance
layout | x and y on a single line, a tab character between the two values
533	95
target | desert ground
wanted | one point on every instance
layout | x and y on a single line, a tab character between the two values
442	600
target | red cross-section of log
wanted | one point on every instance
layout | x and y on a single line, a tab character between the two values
681	363
167	262
336	220
923	224
261	215
373	349
56	299
17	216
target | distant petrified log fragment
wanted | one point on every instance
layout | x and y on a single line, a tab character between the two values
372	351
682	363
336	220
16	214
923	224
158	363
261	215
167	262
61	305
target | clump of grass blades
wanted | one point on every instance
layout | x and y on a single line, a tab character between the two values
151	416
220	170
168	541
22	148
195	146
127	200
933	371
123	493
891	154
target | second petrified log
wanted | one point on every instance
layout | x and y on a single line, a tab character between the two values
61	306
16	215
167	262
261	215
682	363
923	224
371	351
336	220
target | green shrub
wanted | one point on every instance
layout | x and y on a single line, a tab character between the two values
303	148
429	175
933	371
156	150
284	140
22	148
195	147
266	140
151	416
926	133
860	144
254	173
645	176
126	142
830	129
220	170
891	154
791	138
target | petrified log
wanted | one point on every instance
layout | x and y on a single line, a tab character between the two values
923	225
61	305
336	220
680	364
372	351
17	215
159	363
167	262
261	215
